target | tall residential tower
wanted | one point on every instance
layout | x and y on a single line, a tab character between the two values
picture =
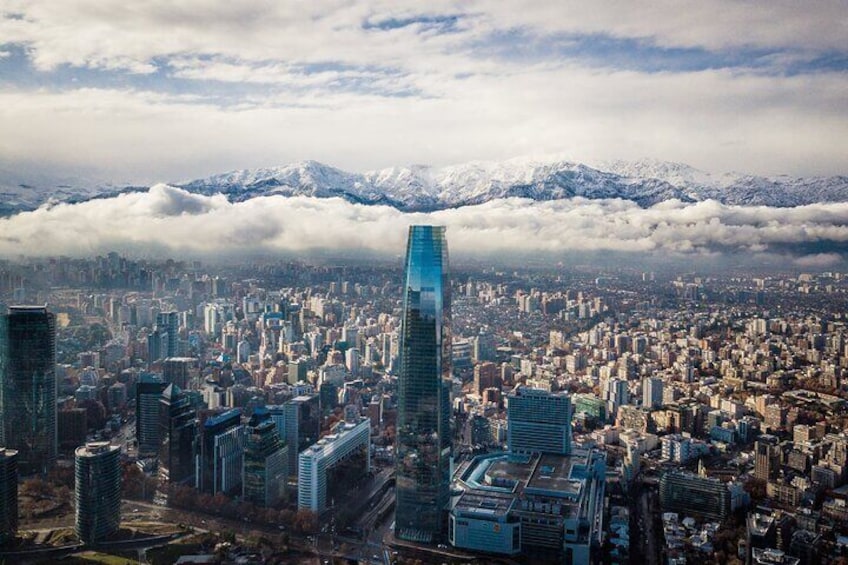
423	422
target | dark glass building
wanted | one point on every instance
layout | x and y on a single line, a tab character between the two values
97	491
220	459
8	494
178	435
148	398
28	386
265	461
302	426
423	421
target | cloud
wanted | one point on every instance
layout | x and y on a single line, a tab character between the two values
161	91
165	219
819	260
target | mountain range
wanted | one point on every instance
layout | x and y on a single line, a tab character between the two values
421	188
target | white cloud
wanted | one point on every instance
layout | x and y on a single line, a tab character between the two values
273	82
169	220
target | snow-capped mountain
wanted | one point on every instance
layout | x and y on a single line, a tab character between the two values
426	188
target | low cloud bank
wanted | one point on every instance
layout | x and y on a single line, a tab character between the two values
169	220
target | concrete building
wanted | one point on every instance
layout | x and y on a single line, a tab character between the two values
547	506
317	462
97	491
538	421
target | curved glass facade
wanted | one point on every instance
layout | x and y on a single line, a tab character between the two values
28	386
97	491
423	426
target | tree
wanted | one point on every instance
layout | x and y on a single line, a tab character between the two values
306	521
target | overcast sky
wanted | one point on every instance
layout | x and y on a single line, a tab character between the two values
163	91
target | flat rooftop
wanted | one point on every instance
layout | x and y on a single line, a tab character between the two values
496	505
554	474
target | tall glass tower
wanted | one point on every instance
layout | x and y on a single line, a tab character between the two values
423	424
28	386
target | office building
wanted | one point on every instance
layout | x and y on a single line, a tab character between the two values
538	421
180	371
220	459
486	375
8	494
178	435
148	398
692	494
423	448
766	457
265	461
97	491
28	383
334	462
301	426
168	324
652	392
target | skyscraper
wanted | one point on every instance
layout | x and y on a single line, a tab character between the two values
220	459
423	422
301	426
178	434
28	386
169	323
265	461
766	457
147	402
97	491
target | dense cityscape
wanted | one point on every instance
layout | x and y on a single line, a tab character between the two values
335	412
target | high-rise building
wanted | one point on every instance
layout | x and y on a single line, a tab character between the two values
8	494
178	434
169	323
302	426
265	461
97	491
766	457
652	392
423	455
220	460
148	398
179	370
28	386
486	375
538	421
331	461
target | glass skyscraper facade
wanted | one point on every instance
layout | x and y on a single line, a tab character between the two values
28	386
97	491
423	422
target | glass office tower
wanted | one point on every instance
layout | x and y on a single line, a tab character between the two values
28	386
423	422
